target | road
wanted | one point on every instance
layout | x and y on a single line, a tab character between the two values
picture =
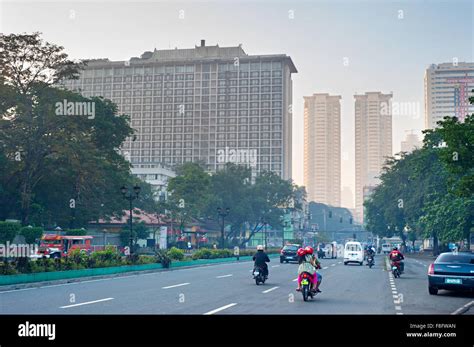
229	289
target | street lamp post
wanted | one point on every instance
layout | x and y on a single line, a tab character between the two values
222	213
266	234
130	197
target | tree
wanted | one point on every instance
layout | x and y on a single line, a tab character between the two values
55	168
8	231
31	234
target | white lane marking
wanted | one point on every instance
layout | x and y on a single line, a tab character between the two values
324	268
229	275
296	279
340	262
17	290
220	309
395	296
399	313
176	285
394	292
398	308
269	290
275	265
87	303
333	264
467	306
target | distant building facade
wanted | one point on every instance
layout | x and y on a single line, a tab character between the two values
208	104
448	87
322	148
373	142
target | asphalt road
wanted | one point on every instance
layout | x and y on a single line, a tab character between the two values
229	289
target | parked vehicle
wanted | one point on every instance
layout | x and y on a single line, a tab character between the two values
288	253
451	271
57	246
353	253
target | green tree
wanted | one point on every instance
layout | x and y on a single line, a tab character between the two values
8	231
31	234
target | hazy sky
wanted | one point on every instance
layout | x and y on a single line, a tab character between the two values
339	47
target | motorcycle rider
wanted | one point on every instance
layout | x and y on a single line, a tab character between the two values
371	253
261	259
396	256
308	263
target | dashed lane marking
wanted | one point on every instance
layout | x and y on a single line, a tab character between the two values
176	285
220	309
229	275
464	308
269	290
87	303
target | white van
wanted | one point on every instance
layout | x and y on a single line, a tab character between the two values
353	253
386	248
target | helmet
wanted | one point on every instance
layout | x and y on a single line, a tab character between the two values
259	248
308	250
395	248
300	252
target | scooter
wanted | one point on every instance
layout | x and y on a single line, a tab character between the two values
258	276
396	269
370	261
306	286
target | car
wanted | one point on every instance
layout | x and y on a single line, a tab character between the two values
353	253
451	271
288	253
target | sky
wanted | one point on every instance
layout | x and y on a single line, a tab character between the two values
341	47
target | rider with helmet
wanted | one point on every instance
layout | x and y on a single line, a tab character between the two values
261	259
308	263
370	252
396	256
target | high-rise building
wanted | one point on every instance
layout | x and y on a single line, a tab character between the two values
411	143
322	148
347	198
207	104
373	142
448	87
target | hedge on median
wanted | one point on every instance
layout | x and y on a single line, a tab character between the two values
110	257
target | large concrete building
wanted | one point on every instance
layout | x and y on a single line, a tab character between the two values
373	142
322	148
411	143
448	87
206	104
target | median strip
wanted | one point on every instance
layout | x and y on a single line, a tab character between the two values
220	309
176	285
87	303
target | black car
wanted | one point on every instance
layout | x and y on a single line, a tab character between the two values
451	271
288	253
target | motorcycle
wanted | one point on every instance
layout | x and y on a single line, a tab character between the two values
396	269
370	261
258	276
306	286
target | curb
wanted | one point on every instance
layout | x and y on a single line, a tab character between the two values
177	266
